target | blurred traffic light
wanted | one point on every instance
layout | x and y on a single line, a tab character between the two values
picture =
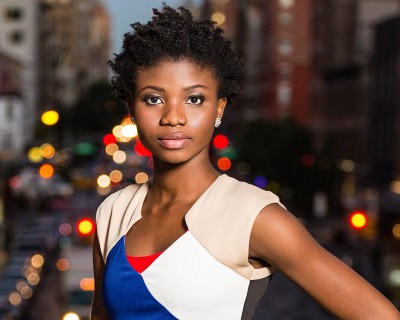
220	141
46	171
358	220
85	227
141	150
109	138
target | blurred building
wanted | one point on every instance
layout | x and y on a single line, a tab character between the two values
58	47
312	61
18	47
74	46
11	108
384	138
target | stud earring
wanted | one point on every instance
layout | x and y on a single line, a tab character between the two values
133	120
217	122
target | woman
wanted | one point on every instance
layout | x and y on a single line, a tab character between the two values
194	244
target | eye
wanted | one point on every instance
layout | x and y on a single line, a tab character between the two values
152	100
196	100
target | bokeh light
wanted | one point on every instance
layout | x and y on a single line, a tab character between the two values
35	154
358	220
129	130
46	171
260	181
85	226
109	138
87	284
395	187
47	150
396	231
218	17
14	298
308	160
50	117
33	278
62	264
103	181
111	149
243	168
220	141
224	164
119	157
116	176
394	277
65	229
71	316
141	150
141	177
37	261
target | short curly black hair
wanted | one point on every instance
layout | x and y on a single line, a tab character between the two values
174	35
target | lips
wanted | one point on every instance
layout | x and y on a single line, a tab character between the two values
174	141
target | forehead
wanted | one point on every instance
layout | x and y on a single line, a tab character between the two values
177	72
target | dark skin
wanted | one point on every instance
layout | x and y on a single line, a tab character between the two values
181	98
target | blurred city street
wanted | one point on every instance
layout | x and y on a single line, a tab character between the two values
317	123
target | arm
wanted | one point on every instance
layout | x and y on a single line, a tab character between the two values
98	311
280	239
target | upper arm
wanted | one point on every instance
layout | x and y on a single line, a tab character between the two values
98	311
280	239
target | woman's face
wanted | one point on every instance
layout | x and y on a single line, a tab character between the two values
175	108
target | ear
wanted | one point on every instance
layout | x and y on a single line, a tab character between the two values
221	107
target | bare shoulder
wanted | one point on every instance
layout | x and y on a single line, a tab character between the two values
279	238
276	229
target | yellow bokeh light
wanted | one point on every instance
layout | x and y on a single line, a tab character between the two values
141	177
14	298
50	118
35	154
47	150
33	278
358	220
218	17
111	149
85	227
395	187
103	181
71	316
119	157
37	261
396	231
117	131
116	176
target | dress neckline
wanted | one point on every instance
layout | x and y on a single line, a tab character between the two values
137	212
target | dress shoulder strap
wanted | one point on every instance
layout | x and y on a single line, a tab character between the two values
115	215
223	219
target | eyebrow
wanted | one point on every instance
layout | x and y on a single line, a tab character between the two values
152	87
185	89
195	87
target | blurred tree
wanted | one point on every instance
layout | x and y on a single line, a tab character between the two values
283	153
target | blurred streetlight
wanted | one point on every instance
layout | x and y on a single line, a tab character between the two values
50	118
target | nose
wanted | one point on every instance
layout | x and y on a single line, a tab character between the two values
174	115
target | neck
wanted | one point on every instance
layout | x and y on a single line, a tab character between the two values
174	181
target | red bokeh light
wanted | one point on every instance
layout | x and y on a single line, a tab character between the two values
141	150
109	138
220	141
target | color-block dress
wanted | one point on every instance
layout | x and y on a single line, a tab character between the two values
204	274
